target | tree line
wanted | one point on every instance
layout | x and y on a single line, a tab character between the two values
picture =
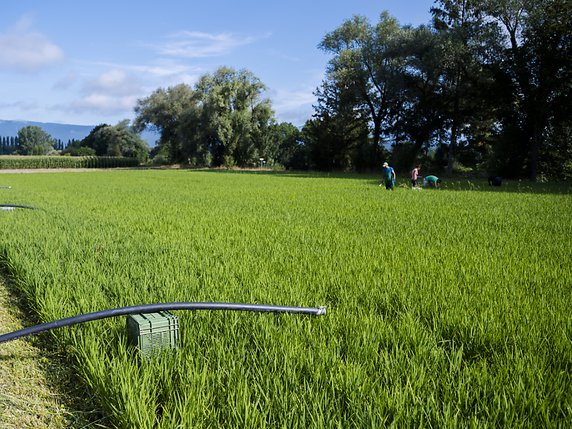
104	140
10	145
488	84
485	86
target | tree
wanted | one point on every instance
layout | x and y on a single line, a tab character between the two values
466	37
230	119
364	69
224	120
118	140
420	116
75	148
535	67
292	152
338	136
163	111
33	140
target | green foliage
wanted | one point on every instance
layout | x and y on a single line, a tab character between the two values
230	121
292	153
33	140
490	78
77	148
222	121
163	111
454	316
24	162
420	117
7	146
335	144
363	75
118	140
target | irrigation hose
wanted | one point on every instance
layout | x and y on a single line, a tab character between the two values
151	308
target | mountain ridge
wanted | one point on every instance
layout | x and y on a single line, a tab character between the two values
63	132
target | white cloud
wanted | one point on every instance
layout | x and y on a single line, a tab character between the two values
196	44
105	103
293	106
115	82
19	105
159	74
112	92
290	100
23	49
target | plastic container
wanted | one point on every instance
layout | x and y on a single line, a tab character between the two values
153	332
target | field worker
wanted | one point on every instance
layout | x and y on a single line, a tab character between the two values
431	181
388	176
415	175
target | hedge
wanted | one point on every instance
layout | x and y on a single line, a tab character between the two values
24	162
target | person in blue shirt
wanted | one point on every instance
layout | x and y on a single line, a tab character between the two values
388	176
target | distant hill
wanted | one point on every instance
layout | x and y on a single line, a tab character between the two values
63	132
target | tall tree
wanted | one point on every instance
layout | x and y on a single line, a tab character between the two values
365	71
420	116
224	120
162	111
229	120
33	140
463	29
338	136
117	140
536	67
291	151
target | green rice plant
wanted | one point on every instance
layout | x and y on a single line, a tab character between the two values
445	308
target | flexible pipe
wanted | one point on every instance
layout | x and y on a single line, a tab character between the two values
151	308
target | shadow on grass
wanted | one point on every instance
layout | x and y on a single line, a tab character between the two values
511	186
55	373
449	183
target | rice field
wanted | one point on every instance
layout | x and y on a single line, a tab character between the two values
445	308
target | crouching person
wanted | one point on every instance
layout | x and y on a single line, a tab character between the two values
431	182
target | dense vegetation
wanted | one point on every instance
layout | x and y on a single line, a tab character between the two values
445	308
27	162
485	87
104	141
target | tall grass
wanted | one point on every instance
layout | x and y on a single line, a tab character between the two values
445	308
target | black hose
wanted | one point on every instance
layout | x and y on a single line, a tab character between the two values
151	308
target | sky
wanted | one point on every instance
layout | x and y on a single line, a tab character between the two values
88	63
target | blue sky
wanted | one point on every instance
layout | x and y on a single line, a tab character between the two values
87	63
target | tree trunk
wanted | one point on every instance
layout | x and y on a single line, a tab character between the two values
377	134
534	146
452	148
454	125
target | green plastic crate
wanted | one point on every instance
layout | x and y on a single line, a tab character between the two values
152	332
